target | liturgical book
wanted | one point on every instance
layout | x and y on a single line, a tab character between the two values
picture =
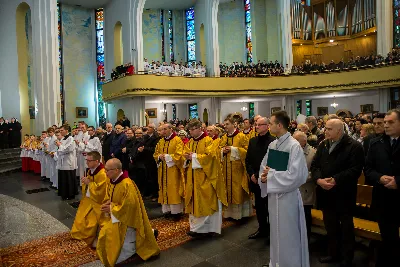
278	160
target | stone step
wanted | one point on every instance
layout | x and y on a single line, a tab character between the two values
10	169
10	162
6	158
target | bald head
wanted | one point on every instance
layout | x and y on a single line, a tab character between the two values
334	129
257	117
114	164
301	138
262	125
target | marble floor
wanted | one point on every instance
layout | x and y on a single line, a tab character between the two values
25	217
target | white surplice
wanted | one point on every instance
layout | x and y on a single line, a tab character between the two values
288	232
93	144
51	168
81	154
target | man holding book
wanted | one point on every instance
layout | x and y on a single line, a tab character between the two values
283	170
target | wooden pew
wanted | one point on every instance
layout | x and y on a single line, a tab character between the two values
363	228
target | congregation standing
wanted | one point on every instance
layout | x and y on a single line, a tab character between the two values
214	172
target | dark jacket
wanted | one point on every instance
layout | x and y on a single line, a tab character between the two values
15	134
345	164
117	145
126	156
258	147
106	144
138	158
383	160
4	132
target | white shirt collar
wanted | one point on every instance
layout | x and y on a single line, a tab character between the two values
117	177
92	170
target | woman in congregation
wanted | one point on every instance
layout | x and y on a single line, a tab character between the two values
14	133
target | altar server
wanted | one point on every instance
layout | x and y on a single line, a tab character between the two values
51	171
127	230
24	153
66	164
43	157
81	141
283	170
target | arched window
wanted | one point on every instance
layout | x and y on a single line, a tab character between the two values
190	35
101	76
396	21
249	45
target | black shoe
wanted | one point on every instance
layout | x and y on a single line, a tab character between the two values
176	217
328	259
192	234
256	235
156	233
167	215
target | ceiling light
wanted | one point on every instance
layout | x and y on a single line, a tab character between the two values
365	35
244	108
334	104
301	44
331	41
163	110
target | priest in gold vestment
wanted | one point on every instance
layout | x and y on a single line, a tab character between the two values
168	155
127	230
233	147
89	218
205	189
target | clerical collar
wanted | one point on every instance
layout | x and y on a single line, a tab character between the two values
215	137
66	137
233	134
199	137
247	131
170	137
122	176
93	172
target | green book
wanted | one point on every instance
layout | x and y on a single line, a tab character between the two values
278	160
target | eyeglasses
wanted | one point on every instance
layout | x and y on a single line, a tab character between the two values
91	160
107	170
260	124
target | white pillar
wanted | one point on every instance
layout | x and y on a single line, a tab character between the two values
384	98
46	78
285	32
384	25
138	106
214	114
206	12
136	14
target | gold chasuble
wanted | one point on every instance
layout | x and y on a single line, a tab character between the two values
250	134
170	180
233	168
89	217
205	185
128	208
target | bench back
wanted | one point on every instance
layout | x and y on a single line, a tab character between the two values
364	194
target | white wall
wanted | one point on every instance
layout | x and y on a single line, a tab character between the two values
232	107
116	10
182	111
201	105
262	108
350	103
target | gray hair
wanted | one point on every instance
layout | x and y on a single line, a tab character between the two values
300	134
311	119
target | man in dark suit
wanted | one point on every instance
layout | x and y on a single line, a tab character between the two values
106	141
336	167
383	171
379	128
258	147
150	142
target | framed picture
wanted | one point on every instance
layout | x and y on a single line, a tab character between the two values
32	112
322	111
367	108
151	112
275	109
81	112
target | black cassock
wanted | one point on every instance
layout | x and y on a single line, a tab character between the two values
4	135
14	134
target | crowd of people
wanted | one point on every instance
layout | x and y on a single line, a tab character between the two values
10	133
216	171
122	71
188	69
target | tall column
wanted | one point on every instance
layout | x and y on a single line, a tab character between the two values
136	23
214	115
384	25
45	63
384	99
138	106
285	32
206	12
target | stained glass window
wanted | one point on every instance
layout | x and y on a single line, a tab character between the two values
308	108
60	62
298	107
101	75
251	110
396	21
249	45
162	37
190	35
193	114
170	34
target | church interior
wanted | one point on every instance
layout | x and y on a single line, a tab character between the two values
123	79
